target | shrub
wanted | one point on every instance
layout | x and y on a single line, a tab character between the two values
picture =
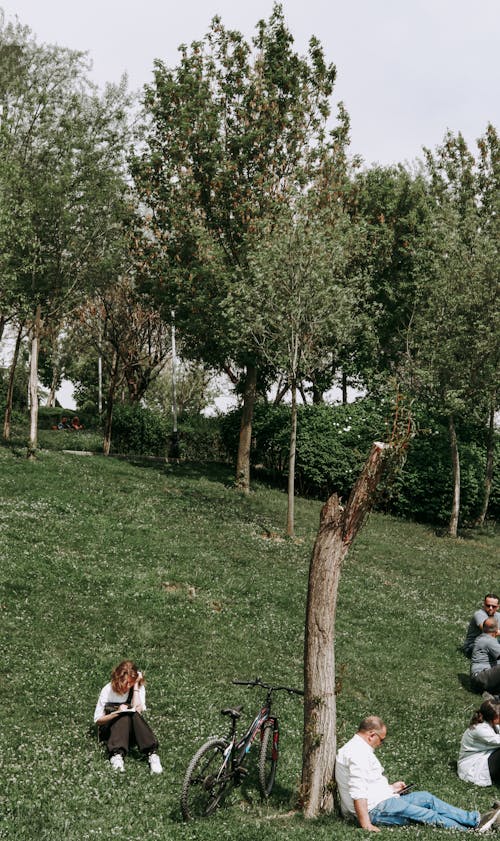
139	431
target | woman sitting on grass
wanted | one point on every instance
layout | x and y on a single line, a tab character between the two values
118	714
479	757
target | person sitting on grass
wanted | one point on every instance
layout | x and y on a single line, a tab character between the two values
484	667
118	714
479	756
487	611
367	796
75	424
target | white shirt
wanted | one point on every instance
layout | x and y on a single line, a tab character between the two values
476	746
359	775
109	696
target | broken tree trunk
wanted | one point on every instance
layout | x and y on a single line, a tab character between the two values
337	530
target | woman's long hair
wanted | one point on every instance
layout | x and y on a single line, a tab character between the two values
121	674
488	712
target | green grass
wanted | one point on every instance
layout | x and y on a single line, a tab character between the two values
102	559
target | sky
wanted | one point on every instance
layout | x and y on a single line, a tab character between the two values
407	70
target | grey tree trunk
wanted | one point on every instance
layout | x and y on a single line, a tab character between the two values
490	457
455	460
243	460
290	517
106	446
10	387
337	530
33	385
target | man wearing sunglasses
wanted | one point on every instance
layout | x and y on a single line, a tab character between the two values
367	796
487	611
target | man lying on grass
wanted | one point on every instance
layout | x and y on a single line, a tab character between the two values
367	796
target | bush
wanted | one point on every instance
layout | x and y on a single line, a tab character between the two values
334	441
139	431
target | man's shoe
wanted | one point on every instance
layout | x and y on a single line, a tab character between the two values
116	762
487	820
155	764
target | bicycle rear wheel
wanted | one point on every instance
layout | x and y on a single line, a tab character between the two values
268	757
205	781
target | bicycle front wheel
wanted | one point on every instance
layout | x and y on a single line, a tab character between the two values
205	781
268	757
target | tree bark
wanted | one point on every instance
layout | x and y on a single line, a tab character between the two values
106	446
10	387
337	530
455	460
243	460
344	389
290	517
33	385
488	478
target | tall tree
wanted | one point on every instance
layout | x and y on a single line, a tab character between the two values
230	130
61	185
300	260
453	342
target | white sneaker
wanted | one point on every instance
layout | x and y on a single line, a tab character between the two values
154	763
116	762
487	820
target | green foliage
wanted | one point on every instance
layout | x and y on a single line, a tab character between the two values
101	559
140	431
334	441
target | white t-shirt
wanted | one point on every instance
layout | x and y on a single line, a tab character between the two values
109	696
359	775
477	744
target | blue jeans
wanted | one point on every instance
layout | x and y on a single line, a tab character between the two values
421	807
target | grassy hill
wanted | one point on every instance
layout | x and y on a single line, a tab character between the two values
102	559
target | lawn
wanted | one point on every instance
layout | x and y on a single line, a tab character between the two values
103	559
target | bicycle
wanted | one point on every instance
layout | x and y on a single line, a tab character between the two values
220	763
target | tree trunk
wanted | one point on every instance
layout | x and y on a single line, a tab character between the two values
33	386
337	530
455	460
106	446
10	387
488	479
3	322
290	517
243	460
344	389
51	399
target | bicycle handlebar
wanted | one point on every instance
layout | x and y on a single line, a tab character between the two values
258	682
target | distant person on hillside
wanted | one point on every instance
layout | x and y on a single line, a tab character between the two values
118	714
75	423
367	796
484	665
479	756
64	423
489	609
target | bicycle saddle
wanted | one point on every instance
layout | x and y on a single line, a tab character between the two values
234	712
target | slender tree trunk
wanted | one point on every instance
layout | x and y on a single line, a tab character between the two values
337	530
344	389
10	387
490	456
243	459
455	460
51	399
3	321
290	518
33	386
106	447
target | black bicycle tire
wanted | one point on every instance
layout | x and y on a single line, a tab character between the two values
215	793
268	758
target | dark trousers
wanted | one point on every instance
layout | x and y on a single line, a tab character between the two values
488	679
494	765
127	730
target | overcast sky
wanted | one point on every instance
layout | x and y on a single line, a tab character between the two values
407	70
